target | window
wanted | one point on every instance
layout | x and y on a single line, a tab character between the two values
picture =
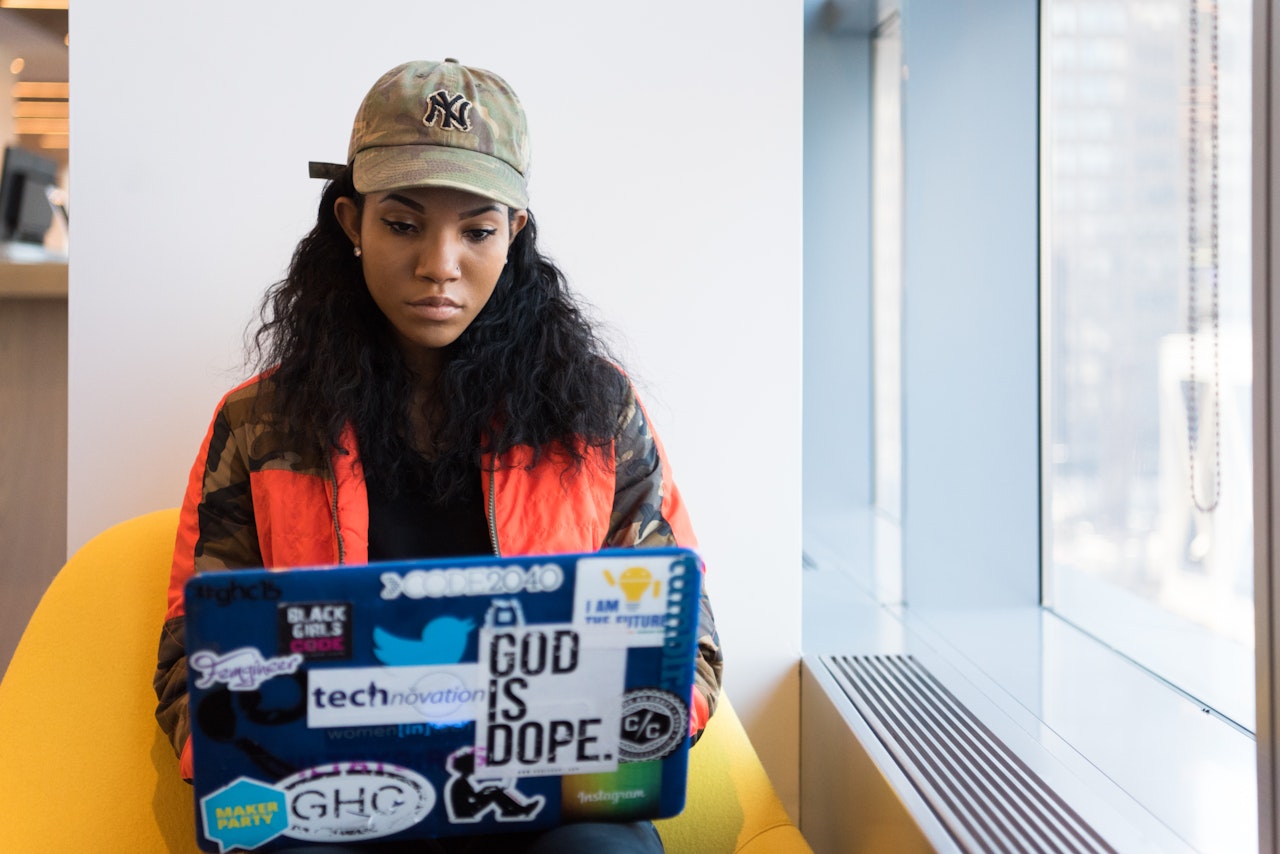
1146	387
1045	383
886	299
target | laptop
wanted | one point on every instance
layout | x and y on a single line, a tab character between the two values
436	698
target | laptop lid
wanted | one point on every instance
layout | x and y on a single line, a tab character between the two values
436	698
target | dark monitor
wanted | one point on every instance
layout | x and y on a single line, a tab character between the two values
25	212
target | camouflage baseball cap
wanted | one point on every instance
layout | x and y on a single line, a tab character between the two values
442	124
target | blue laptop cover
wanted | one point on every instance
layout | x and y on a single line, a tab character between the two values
436	698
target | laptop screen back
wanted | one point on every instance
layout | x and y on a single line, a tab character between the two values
436	698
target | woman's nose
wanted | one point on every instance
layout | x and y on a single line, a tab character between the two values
438	259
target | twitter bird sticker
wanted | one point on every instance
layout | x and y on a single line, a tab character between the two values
443	641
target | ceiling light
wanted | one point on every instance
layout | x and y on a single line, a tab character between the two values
17	65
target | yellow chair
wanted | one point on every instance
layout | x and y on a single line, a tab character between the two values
84	767
730	806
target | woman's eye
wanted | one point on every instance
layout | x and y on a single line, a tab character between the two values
479	235
397	226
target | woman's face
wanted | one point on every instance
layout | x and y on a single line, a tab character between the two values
431	258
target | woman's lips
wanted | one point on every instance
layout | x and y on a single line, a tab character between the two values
436	308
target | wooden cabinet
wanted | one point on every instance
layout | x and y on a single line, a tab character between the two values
33	439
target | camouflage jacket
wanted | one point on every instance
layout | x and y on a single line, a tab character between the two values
253	501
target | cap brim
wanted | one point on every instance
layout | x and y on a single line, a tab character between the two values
396	166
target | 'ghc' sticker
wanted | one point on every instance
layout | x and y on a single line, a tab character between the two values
350	801
654	722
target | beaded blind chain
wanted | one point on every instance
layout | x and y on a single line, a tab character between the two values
1193	319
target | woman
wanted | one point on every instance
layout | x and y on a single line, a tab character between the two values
429	388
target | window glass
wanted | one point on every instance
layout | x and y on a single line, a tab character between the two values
1146	335
886	298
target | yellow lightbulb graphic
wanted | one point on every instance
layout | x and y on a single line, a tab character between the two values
634	582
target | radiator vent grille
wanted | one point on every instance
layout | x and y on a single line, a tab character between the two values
986	796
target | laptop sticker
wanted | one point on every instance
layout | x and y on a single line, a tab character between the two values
654	723
628	593
503	613
472	581
243	814
221	717
467	798
316	630
635	789
443	640
554	701
353	801
242	669
373	696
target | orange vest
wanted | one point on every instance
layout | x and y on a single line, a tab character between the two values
306	520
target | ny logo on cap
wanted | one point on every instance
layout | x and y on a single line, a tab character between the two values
451	111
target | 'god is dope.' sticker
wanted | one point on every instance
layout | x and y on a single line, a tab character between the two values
553	701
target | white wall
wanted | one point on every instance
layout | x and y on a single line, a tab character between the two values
666	179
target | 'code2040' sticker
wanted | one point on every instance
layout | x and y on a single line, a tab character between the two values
472	581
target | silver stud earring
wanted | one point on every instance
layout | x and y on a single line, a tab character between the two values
356	251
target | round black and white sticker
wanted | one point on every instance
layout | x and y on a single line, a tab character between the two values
654	722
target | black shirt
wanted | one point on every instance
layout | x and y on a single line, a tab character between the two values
413	523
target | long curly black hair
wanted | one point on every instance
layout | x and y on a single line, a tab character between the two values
529	370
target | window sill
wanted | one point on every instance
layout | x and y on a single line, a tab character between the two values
1143	763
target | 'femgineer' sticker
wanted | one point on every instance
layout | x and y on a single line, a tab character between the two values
241	669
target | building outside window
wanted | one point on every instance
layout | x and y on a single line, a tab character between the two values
1146	387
